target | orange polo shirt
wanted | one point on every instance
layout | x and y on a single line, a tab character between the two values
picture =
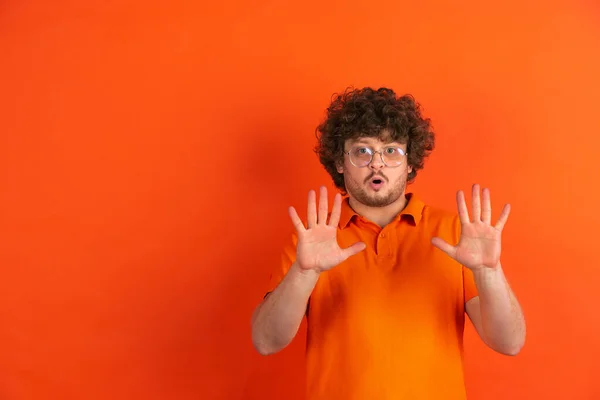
388	322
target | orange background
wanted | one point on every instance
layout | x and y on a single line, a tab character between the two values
149	150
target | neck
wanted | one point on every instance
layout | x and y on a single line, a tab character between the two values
379	215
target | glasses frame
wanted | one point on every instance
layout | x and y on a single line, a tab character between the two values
373	152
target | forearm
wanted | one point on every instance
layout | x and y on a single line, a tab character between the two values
277	319
501	315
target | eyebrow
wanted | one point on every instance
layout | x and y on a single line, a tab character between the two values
361	141
366	141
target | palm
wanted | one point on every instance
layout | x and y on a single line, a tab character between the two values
479	245
317	247
480	242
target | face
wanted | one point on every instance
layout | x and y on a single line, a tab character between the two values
377	184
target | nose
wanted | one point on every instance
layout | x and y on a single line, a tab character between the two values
377	162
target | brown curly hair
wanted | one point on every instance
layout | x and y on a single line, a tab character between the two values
373	113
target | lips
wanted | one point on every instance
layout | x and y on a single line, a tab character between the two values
376	179
376	182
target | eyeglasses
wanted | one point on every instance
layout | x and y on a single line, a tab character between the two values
361	156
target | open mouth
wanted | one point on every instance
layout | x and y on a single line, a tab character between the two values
376	183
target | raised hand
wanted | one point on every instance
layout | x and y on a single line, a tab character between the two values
317	247
480	242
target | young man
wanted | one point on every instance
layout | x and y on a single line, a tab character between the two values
385	280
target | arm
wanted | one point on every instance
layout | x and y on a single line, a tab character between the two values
276	320
496	313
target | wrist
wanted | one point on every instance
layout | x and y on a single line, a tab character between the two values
305	273
485	269
485	274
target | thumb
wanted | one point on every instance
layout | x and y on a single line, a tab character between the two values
444	246
354	249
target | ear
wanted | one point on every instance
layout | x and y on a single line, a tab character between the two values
409	169
340	167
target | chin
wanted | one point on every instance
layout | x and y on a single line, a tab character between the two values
365	194
379	199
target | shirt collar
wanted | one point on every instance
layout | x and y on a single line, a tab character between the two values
412	210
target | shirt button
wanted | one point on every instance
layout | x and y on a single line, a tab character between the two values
382	235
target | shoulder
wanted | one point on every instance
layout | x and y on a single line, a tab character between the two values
437	214
428	213
441	221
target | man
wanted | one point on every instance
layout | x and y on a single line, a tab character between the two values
384	279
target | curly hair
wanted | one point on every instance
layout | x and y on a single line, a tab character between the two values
373	113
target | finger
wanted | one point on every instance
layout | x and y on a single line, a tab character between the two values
463	213
503	217
476	203
322	217
444	246
311	212
296	220
486	207
336	211
353	250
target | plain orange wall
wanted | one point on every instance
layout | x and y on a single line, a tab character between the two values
149	152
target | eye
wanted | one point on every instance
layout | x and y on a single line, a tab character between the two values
362	151
397	151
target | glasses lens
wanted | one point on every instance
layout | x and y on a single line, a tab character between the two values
393	155
361	156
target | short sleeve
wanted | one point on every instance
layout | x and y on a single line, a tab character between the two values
288	257
469	287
